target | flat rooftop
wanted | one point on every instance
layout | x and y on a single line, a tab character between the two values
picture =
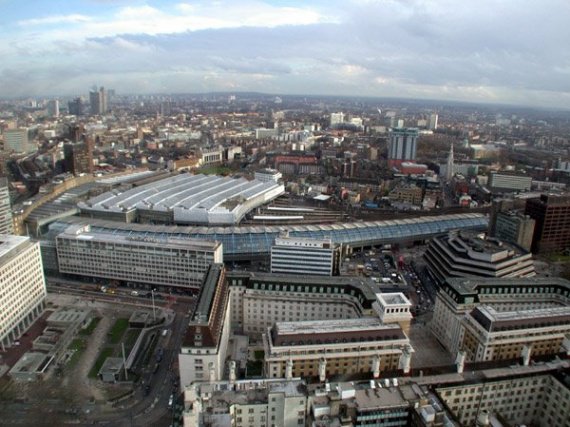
496	321
11	245
395	298
324	326
85	233
374	398
364	329
470	286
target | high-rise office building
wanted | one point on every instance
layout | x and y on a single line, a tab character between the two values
17	140
315	257
433	121
78	158
6	226
552	216
75	106
403	144
22	286
515	227
336	119
98	101
53	108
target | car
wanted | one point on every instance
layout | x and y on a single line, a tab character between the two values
170	400
147	389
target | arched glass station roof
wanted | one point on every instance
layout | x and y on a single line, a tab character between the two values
250	241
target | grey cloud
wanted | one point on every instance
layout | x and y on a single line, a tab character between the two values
511	48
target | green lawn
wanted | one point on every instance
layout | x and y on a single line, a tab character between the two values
106	352
118	330
89	329
78	345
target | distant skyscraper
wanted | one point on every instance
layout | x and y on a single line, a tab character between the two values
552	215
75	107
53	108
78	158
98	101
433	121
16	140
336	119
5	208
402	146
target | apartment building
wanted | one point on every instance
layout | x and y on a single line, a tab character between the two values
22	287
166	262
459	296
313	257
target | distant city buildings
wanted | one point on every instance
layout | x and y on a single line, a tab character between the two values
16	140
22	287
509	182
98	101
76	106
53	108
336	119
78	158
402	145
268	175
432	125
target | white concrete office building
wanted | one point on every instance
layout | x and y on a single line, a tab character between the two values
22	287
6	226
168	262
315	257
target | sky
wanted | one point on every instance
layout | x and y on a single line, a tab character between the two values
485	51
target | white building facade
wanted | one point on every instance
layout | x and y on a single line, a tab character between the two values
169	262
290	255
22	287
6	225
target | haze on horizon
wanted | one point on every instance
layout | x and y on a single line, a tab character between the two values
485	51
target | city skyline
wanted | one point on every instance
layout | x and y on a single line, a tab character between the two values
482	53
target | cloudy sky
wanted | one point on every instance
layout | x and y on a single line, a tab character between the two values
497	51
